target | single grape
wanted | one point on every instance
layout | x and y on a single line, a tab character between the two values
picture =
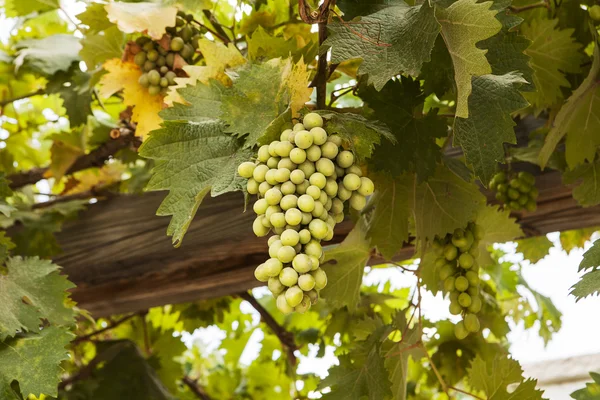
325	166
273	196
271	177
283	306
449	284
275	286
246	169
345	159
293	216
466	261
263	153
263	188
354	169
306	218
464	300
273	147
259	173
258	227
170	59
475	306
288	201
290	237
260	206
152	55
297	176
455	308
283	149
140	58
313	248
473	291
303	139
312	120
273	239
313	295
319	135
460	331
313	153
351	182
298	127
313	191
298	156
318	228
336	139
450	252
286	253
366	186
446	270
187	51
260	273
273	266
304	305
343	193
315	262
302	263
329	150
306	282
306	203
287	188
472	323
277	219
461	283
301	187
319	209
273	162
358	201
143	80
319	180
282	175
304	236
472	277
320	278
285	134
287	163
308	167
252	186
288	276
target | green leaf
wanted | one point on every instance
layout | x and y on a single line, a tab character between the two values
164	350
204	103
553	53
589	284
490	125
493	376
33	359
391	41
443	203
388	224
535	248
192	160
95	49
345	275
415	147
77	96
464	24
591	390
355	8
48	55
498	225
5	246
361	134
591	258
95	17
264	46
547	317
579	118
438	74
19	8
257	97
576	238
40	283
588	192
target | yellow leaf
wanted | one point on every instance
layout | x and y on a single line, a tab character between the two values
94	178
150	18
217	57
63	155
296	78
124	76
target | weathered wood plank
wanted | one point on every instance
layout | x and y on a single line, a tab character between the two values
118	254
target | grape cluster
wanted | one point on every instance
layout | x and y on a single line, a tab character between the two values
516	191
158	61
457	264
302	182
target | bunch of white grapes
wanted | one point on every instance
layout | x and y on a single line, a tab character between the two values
302	182
457	265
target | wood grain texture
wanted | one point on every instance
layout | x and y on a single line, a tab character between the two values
119	256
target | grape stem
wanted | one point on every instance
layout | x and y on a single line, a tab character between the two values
516	10
106	328
218	29
286	338
195	388
224	38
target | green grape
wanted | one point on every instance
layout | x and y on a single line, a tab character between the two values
283	149
304	305
293	216
460	331
273	147
170	60
318	211
143	80
331	189
354	169
319	135
288	201
437	247
345	159
455	308
160	62
514	183
265	221
466	260
458	238
306	282
534	193
152	55
514	205
312	120
449	284
179	22
287	163
263	187
283	306
252	186
315	263
290	237
513	193
351	182
263	153
450	252
453	296
186	33
329	150
473	291
531	205
140	58
297	177
476	304
343	193
337	140
306	203
318	228
446	270
313	248
277	219
287	188
298	156
195	41
142	40
288	276
337	206
273	162
472	277
275	286
259	173
366	186
303	139
260	206
273	239
304	236
308	167
149	45
286	253
285	134
271	178
320	278
246	169
464	300
502	187
187	52
328	204
523	200
325	166
306	218
273	266
302	263
273	196
319	180
313	191
358	201
472	323
313	153
313	295
298	127
260	273
461	283
153	90
282	175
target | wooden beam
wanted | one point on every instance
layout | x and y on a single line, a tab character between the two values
119	256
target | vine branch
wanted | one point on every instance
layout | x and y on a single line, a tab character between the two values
516	10
218	28
195	388
106	328
25	96
286	338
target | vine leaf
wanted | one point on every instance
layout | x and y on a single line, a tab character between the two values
149	18
361	134
95	17
96	49
388	225
33	359
578	119
576	238
391	41
490	124
76	97
48	55
553	53
192	160
66	148
498	227
588	192
534	249
39	282
493	376
196	103
20	8
463	25
124	76
443	203
590	282
345	276
5	246
591	390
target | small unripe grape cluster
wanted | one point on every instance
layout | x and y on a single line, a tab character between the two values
302	182
158	58
457	264
515	191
